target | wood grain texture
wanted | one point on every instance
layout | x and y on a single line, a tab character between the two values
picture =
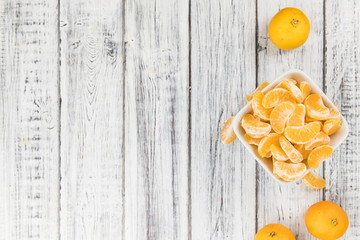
222	72
342	86
91	120
29	135
156	119
287	203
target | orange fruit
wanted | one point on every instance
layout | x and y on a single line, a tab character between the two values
318	155
295	91
297	118
250	140
274	231
301	148
315	107
314	181
265	144
227	132
326	220
294	155
278	153
276	96
254	127
305	89
331	126
302	134
280	114
274	160
289	28
289	171
249	97
310	119
320	139
259	110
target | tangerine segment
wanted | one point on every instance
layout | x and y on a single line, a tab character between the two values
318	155
254	127
276	96
305	89
289	171
315	107
294	155
295	91
314	181
302	134
320	139
259	110
331	126
278	153
280	85
227	132
266	142
301	148
251	140
249	97
297	118
280	114
334	113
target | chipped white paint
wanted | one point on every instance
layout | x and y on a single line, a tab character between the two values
135	76
29	120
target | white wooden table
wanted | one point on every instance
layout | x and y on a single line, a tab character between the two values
111	113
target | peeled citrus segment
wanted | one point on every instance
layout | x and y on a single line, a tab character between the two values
302	134
278	153
280	85
259	110
275	174
334	114
280	114
249	97
254	127
318	155
227	132
293	154
301	148
297	118
314	181
310	119
331	126
305	89
289	171
295	91
320	139
250	140
276	96
265	144
315	107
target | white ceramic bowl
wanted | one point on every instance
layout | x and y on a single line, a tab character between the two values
336	139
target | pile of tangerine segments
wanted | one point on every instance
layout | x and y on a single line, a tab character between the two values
290	125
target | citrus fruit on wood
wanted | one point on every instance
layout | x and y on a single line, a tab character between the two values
289	28
274	231
326	220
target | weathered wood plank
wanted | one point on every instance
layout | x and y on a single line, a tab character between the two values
288	203
222	72
91	120
342	86
29	132
156	119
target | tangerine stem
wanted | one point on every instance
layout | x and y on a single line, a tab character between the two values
294	22
272	234
334	222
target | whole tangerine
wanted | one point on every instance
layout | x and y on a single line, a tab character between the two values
289	28
326	220
274	232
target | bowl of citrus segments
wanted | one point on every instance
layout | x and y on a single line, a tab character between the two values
290	127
